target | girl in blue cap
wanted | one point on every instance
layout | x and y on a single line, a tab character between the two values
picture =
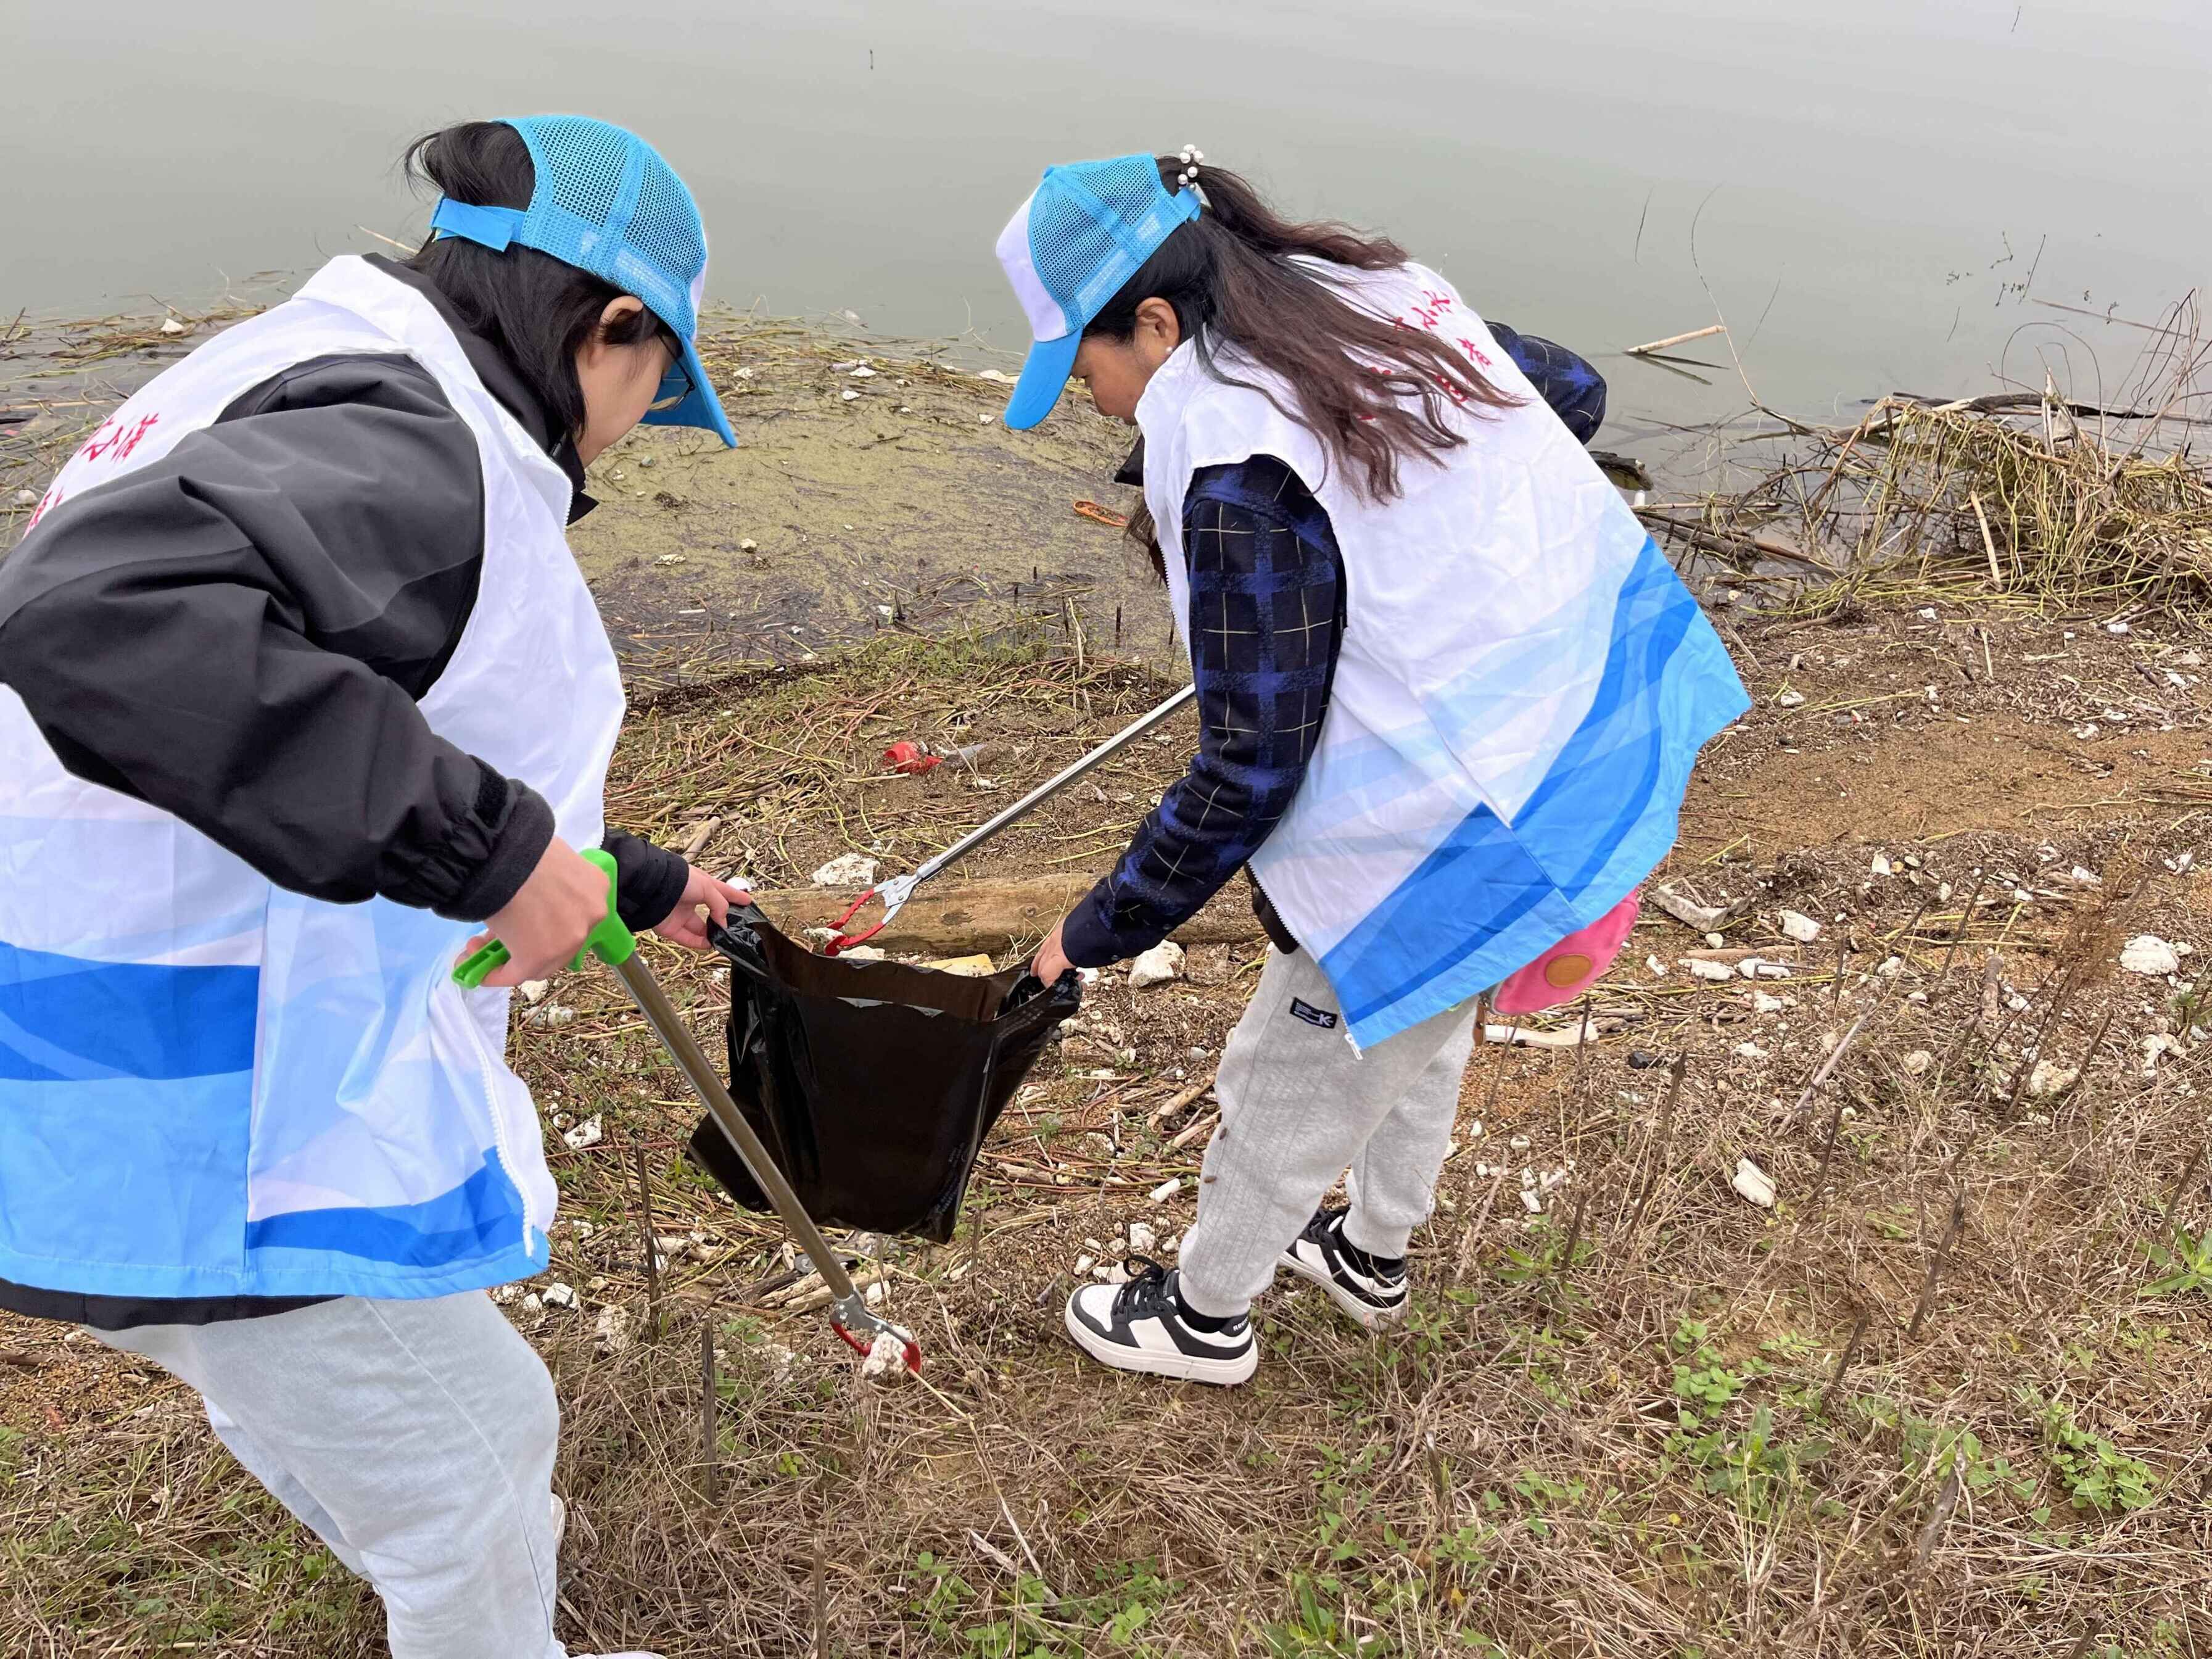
1449	695
300	688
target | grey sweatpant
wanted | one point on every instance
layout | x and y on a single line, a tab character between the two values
1299	1104
415	1438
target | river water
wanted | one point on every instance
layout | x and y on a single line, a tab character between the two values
1876	196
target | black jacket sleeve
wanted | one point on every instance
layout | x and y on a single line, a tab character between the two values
649	880
238	633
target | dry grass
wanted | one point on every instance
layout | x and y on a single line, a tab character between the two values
1651	1419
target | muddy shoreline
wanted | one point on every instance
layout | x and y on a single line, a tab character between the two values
873	488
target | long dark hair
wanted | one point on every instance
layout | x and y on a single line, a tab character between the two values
1242	276
538	310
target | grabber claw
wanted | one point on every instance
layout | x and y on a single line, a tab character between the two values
894	893
853	1313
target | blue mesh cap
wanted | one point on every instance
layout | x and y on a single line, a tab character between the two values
605	201
1088	229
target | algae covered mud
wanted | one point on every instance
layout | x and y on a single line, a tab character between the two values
874	489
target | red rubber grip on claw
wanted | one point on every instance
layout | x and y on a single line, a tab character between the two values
845	941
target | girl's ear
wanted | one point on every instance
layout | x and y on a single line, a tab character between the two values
619	310
1157	326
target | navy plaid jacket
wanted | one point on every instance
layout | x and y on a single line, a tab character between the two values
1266	603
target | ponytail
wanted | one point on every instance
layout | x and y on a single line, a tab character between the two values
1273	291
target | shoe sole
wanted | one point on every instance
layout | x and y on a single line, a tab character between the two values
1362	1313
1187	1367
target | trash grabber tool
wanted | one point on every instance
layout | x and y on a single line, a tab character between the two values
612	943
897	891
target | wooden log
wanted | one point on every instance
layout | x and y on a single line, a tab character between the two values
950	917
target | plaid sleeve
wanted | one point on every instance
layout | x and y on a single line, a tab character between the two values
1575	391
1267	601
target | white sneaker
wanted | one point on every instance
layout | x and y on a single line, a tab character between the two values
1370	1291
1138	1327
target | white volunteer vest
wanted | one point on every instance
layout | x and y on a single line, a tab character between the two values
272	1094
1523	686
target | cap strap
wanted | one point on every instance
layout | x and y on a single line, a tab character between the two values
493	227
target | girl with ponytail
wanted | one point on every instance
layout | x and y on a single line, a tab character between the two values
1449	695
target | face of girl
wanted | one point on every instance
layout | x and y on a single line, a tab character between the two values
620	382
1118	371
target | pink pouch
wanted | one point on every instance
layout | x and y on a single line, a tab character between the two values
1569	968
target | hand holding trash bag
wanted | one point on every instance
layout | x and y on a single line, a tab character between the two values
684	926
1052	962
547	922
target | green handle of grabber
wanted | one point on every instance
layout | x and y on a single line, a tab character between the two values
611	942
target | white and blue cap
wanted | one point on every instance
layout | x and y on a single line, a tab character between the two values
605	201
1088	229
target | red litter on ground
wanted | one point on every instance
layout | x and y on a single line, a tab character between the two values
909	758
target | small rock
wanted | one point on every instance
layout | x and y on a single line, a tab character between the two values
1158	966
1531	1200
533	1303
1714	971
171	326
557	1295
864	372
1143	1240
1655	967
1750	1051
848	394
506	1295
1753	1183
748	546
1084	1264
1761	1002
612	1330
587	1134
2049	1077
2147	953
1167	1189
886	1358
1917	1061
1799	927
533	990
549	1015
1879	867
1790	700
847	870
2085	877
1518	1144
24	498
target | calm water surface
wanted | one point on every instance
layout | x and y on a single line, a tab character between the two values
1881	192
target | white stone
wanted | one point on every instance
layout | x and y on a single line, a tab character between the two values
1143	1240
1750	1051
1917	1061
1790	700
2147	953
864	372
886	1361
24	498
847	870
1879	867
612	1330
1716	971
1084	1264
1799	927
532	1304
587	1134
1763	1004
1161	964
557	1295
1167	1189
1657	968
1753	1183
2086	878
2049	1077
1533	1201
533	990
171	326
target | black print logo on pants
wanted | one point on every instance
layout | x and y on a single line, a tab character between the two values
1301	1009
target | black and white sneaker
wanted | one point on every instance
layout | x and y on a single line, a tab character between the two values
1142	1326
1367	1288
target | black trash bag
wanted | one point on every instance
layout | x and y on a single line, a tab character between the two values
872	1083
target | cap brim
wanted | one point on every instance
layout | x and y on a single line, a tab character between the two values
1044	377
696	403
